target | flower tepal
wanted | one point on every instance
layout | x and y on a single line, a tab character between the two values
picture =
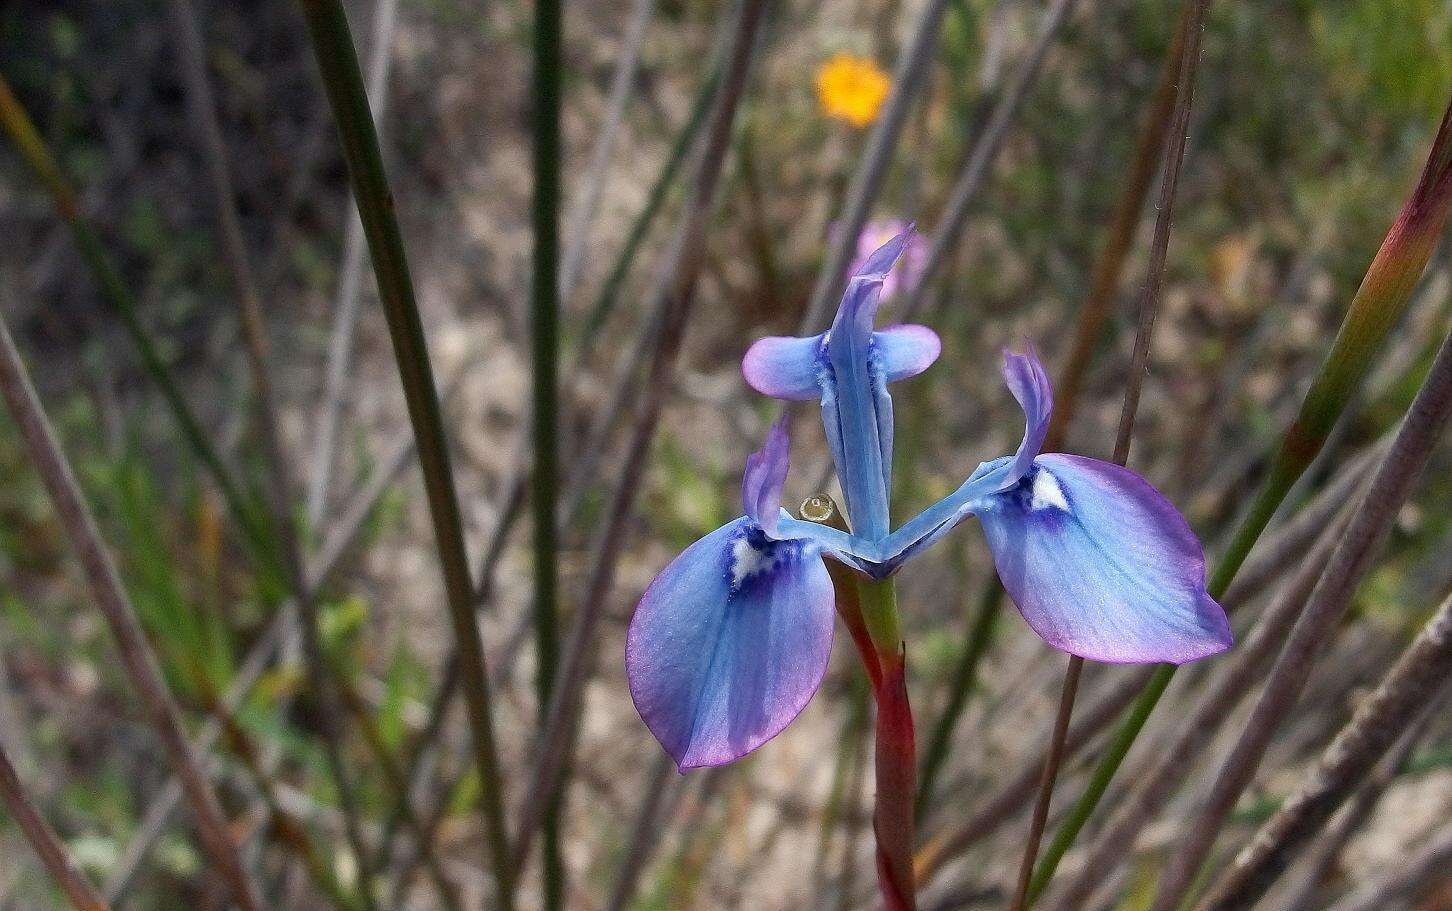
731	640
1101	565
914	255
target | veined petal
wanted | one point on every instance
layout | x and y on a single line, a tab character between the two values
1101	565
766	471
729	643
906	350
784	367
1029	382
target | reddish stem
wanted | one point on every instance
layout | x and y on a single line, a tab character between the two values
892	821
849	608
896	755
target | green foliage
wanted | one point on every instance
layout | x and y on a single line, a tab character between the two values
190	633
1391	58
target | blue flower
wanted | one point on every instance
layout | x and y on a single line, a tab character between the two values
731	640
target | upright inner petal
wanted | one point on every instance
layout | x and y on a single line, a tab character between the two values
854	413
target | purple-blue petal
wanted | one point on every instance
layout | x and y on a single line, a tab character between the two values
766	471
729	643
858	426
784	367
1101	565
906	350
879	262
1029	382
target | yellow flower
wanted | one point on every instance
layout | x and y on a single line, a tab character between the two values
852	88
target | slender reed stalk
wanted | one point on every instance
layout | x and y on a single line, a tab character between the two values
278	636
1191	25
350	284
1344	824
545	345
48	847
137	659
201	107
981	632
970	180
289	829
555	744
1418	676
1052	759
643	835
1154	787
614	283
594	180
1013	795
338	62
1369	526
363	716
1385	292
1104	282
198	97
587	454
1119	238
255	530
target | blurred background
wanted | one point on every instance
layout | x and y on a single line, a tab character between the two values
1310	124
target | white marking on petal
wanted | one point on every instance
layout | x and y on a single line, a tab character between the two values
748	560
1047	492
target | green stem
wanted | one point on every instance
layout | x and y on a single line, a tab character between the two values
896	755
545	337
342	78
879	612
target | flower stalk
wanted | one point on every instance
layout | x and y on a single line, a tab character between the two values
896	770
868	609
